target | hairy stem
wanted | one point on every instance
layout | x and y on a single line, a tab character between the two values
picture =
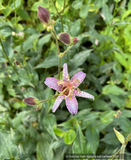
57	44
58	14
48	99
6	56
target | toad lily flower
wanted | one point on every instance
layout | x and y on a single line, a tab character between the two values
68	89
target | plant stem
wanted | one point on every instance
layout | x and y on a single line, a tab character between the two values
127	139
48	99
66	51
122	150
57	44
15	13
63	7
58	14
7	57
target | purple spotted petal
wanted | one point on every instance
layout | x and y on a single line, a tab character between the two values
72	105
80	76
83	94
58	101
52	83
65	73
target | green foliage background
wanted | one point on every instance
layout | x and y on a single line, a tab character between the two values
103	53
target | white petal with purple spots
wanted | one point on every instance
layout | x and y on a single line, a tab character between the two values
65	73
83	94
80	76
58	101
52	83
72	105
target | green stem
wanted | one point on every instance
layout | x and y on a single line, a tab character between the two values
63	7
58	14
15	14
122	150
57	44
7	57
59	68
65	51
127	139
48	99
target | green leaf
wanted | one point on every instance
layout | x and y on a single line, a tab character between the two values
119	136
118	100
80	143
58	132
75	28
92	136
45	39
48	62
45	4
124	123
89	118
106	14
113	89
77	4
28	43
24	78
121	59
49	122
72	123
110	139
1	7
16	4
23	14
44	151
6	31
18	118
80	58
107	116
69	136
7	147
9	51
6	11
84	11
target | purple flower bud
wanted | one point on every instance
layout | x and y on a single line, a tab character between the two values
17	63
75	40
31	101
65	38
43	15
15	51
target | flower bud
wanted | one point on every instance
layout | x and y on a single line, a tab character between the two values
31	101
75	40
43	15
49	28
53	22
65	38
17	63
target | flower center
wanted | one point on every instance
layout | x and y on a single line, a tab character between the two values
65	90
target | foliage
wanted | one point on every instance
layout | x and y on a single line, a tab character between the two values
28	55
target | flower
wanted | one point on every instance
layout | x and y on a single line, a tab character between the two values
68	89
43	15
